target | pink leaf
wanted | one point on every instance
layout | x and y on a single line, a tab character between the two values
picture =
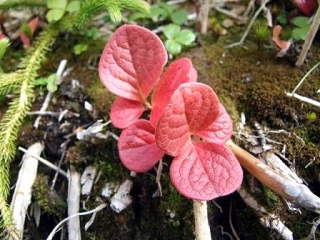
192	108
33	24
308	7
220	130
206	171
137	147
180	71
25	39
125	112
132	62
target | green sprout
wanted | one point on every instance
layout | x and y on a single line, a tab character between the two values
261	32
311	117
177	38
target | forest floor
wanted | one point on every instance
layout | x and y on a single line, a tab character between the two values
250	82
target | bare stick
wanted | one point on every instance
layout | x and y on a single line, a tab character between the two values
47	100
266	219
22	193
57	227
312	234
74	232
304	99
288	189
244	36
202	229
203	15
44	161
308	42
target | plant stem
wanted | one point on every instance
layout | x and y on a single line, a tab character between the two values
308	42
202	228
290	190
305	77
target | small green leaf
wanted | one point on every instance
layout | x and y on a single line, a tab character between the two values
51	83
301	21
73	6
41	81
300	33
138	15
171	31
158	13
282	18
54	15
80	48
179	17
185	37
168	8
93	33
57	4
172	47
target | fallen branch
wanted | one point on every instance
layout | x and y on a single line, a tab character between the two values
74	232
45	162
266	219
22	194
290	190
304	99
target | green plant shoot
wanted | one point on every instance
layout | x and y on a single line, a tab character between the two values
177	38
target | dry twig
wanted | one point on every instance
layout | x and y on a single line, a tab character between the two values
290	190
22	193
74	232
244	36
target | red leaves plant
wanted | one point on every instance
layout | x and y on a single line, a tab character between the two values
187	121
200	170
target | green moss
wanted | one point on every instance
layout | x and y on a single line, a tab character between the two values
48	199
102	98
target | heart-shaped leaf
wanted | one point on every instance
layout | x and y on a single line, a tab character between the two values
132	62
138	150
54	15
171	31
173	46
220	130
185	37
125	112
178	72
206	171
192	108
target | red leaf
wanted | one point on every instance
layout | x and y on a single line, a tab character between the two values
192	108
180	71
125	112
25	39
33	24
308	7
206	171
132	62
137	147
220	130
